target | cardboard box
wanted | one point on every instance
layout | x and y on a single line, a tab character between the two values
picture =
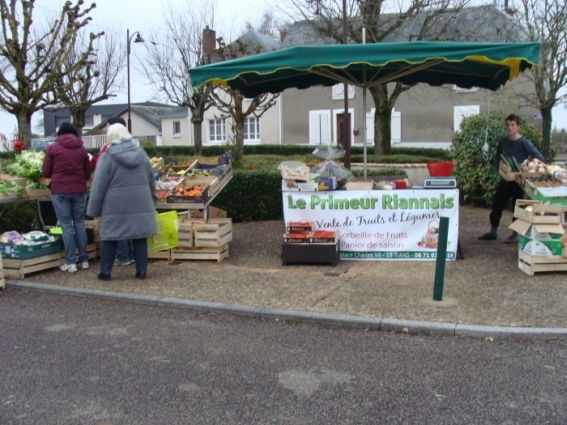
315	238
296	237
299	186
303	226
538	239
22	252
159	167
292	170
536	212
213	213
552	193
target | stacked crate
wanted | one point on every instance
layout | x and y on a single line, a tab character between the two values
94	225
20	260
539	237
203	240
303	244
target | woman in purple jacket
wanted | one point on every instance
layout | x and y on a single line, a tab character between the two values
67	164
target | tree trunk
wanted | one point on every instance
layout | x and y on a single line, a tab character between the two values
238	130
78	117
547	148
383	131
24	127
198	136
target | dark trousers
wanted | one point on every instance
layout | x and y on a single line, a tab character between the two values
504	192
108	252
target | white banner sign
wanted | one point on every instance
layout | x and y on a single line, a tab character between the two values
380	224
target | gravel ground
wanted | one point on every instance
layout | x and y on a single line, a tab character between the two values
487	285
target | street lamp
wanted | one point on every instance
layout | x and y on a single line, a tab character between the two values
138	39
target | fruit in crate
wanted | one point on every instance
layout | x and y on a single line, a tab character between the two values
155	160
198	173
188	191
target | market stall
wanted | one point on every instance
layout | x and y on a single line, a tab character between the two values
541	221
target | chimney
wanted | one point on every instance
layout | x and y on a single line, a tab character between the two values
507	10
209	44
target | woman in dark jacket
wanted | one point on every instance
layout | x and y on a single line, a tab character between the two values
66	163
123	195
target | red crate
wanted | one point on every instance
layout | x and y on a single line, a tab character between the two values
440	169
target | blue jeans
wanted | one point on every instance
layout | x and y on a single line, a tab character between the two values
108	252
125	250
70	211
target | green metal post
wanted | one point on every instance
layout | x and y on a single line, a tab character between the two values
441	259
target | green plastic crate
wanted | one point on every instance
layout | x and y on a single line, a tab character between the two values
22	252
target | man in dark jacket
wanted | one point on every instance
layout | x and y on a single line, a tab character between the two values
517	146
66	163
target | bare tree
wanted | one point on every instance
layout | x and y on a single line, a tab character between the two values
545	21
410	20
33	58
172	53
78	88
231	102
268	25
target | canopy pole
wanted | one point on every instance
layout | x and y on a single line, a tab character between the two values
364	107
346	121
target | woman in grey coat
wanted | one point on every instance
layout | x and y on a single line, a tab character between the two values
123	195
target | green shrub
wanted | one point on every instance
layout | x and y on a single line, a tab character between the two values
373	171
22	217
252	196
474	165
393	159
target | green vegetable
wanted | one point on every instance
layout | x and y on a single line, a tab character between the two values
516	165
9	188
28	164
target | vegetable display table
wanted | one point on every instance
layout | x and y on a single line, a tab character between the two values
195	205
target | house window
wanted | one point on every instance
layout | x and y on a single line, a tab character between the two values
176	128
338	92
252	129
461	112
462	90
89	120
61	119
217	130
320	127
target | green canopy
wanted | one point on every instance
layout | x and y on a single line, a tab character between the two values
486	65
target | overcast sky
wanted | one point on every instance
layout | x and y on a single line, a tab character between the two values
140	15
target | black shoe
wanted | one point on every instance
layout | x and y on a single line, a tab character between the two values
140	275
487	237
512	239
103	276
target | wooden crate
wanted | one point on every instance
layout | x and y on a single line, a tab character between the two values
91	250
539	213
531	264
160	255
218	254
94	224
214	234
185	235
17	269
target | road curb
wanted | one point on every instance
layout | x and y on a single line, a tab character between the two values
414	327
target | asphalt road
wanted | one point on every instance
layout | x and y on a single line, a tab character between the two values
69	360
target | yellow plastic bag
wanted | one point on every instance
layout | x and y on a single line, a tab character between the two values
166	237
